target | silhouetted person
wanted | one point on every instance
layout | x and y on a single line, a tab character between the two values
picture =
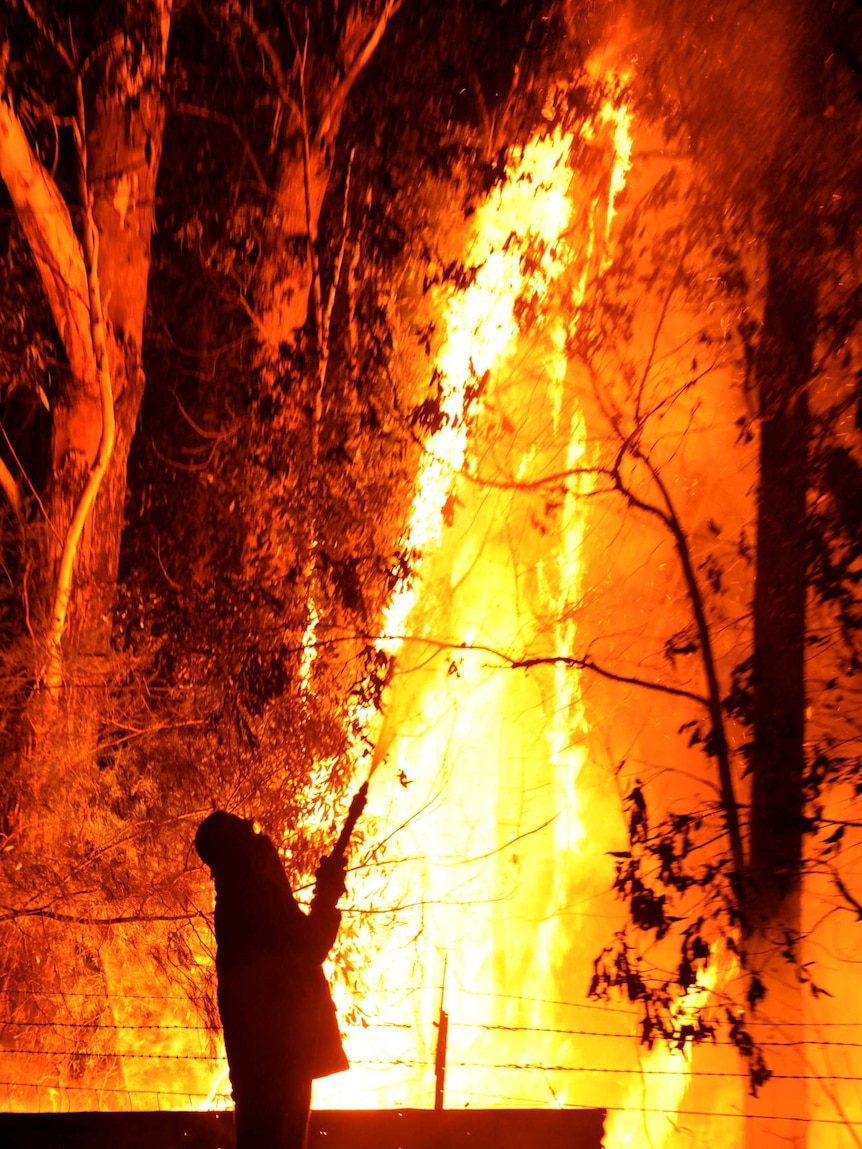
280	1028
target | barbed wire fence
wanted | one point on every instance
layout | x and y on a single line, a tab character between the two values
509	1073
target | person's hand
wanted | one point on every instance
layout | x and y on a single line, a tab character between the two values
331	877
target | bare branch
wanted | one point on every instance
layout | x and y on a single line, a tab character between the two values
668	515
583	663
558	479
587	663
352	323
10	488
27	480
268	50
311	236
60	48
848	897
657	330
353	69
86	920
342	247
46	223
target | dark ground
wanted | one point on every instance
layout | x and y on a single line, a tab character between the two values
330	1129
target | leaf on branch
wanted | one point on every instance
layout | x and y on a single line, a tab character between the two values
648	1028
758	1071
756	991
638	821
647	909
739	700
681	643
835	837
805	978
713	573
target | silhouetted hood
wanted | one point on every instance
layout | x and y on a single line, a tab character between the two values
221	836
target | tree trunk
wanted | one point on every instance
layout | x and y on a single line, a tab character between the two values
285	489
121	148
772	902
93	258
783	366
123	152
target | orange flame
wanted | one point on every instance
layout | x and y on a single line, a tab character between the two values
497	805
497	852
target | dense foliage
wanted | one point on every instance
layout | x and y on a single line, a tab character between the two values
308	199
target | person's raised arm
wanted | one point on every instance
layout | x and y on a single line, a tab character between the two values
325	916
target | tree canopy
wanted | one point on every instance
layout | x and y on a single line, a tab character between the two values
230	232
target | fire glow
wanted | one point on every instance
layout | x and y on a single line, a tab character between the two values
495	834
494	886
493	869
500	874
483	875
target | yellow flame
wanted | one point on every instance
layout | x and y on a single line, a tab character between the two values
622	139
467	731
480	331
464	832
309	644
647	1114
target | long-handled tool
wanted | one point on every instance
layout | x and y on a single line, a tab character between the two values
357	805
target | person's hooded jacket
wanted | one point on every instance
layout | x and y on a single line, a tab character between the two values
277	1012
